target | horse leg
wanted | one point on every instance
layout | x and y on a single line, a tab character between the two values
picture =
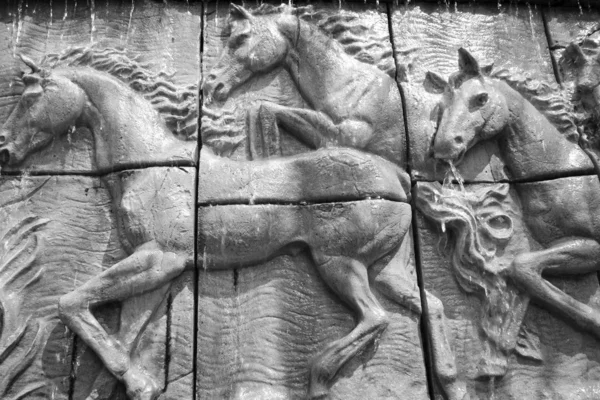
146	269
315	129
573	256
394	285
348	278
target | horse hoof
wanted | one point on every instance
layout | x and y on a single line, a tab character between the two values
318	392
139	385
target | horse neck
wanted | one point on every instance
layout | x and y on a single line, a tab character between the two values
314	61
126	129
531	144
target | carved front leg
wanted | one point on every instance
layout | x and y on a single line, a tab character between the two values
313	128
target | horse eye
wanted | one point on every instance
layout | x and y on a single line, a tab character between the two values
239	40
481	99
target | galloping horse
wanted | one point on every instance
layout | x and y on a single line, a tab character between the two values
155	215
351	103
563	215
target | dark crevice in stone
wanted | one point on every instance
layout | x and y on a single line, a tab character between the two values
401	90
103	172
72	375
168	340
557	74
196	185
539	178
423	325
424	320
296	203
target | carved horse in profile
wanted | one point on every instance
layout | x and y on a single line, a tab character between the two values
562	215
350	103
155	215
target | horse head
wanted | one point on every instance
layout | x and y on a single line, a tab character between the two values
471	110
256	44
49	106
584	61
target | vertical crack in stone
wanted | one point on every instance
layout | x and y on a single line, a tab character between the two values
195	205
557	74
423	326
168	339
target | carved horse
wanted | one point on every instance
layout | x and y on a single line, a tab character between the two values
155	218
352	104
563	215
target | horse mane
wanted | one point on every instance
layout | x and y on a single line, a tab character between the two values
547	98
456	210
356	39
177	105
472	263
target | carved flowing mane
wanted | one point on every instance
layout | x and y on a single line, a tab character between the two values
177	105
546	98
472	262
356	39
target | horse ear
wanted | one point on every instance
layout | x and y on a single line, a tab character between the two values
467	64
434	82
573	55
29	62
237	13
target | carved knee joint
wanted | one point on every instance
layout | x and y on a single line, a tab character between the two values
70	305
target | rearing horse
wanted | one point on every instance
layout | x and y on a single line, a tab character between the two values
351	103
155	216
563	215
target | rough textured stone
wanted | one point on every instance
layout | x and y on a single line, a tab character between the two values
427	38
509	342
155	37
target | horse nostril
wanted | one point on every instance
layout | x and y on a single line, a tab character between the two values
459	140
2	139
4	157
219	87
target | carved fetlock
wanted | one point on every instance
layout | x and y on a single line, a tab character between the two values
140	385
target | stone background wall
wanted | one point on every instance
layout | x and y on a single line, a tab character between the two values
250	333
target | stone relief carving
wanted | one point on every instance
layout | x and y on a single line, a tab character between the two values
155	214
18	272
480	104
321	177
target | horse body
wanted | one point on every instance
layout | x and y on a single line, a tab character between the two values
564	219
352	104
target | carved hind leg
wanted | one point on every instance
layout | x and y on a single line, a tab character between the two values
146	269
394	285
349	280
573	256
315	129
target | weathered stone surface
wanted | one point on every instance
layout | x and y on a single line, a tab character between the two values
260	329
427	38
139	40
77	239
312	135
513	339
